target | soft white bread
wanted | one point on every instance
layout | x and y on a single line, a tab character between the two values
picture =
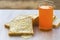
22	27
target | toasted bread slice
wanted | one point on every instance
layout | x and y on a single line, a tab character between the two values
35	19
22	27
56	22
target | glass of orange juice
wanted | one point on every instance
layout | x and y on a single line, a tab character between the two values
45	15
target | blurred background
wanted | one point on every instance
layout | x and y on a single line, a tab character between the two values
24	4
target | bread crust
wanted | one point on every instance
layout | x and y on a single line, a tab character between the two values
7	26
19	34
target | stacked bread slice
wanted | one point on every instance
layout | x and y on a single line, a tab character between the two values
21	25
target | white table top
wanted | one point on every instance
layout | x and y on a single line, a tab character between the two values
6	15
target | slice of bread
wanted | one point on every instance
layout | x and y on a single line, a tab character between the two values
22	27
35	19
56	22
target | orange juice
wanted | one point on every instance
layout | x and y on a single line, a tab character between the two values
45	17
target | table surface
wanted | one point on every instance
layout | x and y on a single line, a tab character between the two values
7	15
